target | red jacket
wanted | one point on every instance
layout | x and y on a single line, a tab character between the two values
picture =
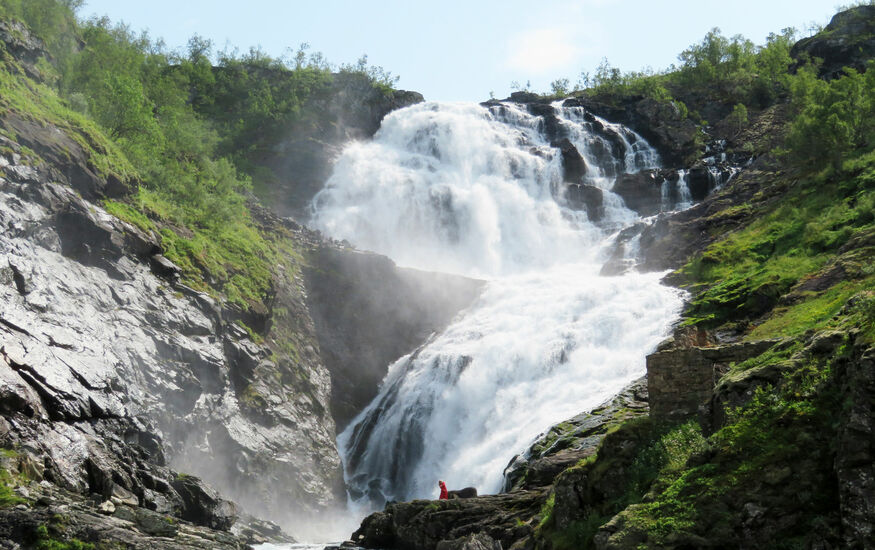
444	494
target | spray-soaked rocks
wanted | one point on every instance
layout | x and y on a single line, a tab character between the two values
588	198
662	123
565	444
652	191
573	165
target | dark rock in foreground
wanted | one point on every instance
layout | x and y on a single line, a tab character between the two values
567	443
507	519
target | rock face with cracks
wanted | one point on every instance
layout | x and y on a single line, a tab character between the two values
91	337
126	393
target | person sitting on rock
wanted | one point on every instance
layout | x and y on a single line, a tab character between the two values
444	494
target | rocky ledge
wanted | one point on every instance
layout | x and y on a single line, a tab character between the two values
508	519
569	442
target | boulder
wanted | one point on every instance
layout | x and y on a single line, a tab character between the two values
641	191
565	444
588	198
203	505
163	267
257	531
700	182
573	165
525	97
553	129
505	519
477	541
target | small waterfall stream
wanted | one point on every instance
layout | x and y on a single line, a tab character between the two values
479	191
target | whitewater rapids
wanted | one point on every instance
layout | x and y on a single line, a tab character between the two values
479	191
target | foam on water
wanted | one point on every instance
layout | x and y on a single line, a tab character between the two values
478	191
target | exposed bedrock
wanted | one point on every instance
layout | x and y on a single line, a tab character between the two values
641	191
368	313
662	124
573	165
568	442
105	355
506	519
588	198
847	41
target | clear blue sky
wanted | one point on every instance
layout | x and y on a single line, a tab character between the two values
463	50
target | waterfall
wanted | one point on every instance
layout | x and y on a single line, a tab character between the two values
478	191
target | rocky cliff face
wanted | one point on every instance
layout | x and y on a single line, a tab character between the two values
91	334
847	41
119	384
368	313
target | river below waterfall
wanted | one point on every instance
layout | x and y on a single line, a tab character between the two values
481	191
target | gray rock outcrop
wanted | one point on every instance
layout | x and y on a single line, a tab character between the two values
368	313
847	41
89	333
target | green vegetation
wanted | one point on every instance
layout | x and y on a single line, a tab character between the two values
730	71
783	432
8	497
835	120
546	512
49	541
798	268
744	275
829	145
188	133
648	451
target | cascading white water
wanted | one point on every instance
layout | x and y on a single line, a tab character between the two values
465	189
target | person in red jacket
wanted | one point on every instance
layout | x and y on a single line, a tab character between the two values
444	494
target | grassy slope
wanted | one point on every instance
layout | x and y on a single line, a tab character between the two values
754	280
801	269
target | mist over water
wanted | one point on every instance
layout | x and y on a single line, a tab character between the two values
479	191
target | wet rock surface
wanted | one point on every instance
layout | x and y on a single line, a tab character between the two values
573	165
588	198
368	313
662	124
567	443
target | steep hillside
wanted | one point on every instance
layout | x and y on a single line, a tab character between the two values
156	334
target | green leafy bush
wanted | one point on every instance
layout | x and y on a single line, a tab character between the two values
835	120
